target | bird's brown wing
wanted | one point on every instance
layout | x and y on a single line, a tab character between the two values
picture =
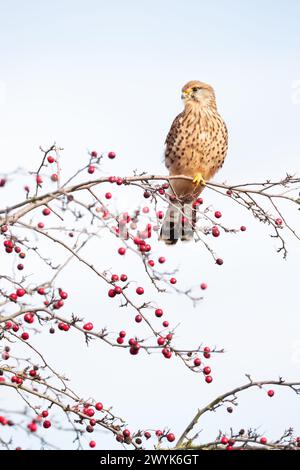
171	140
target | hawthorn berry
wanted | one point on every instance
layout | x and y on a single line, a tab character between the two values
88	326
218	214
206	370
170	437
173	280
203	286
243	228
263	440
91	169
208	379
159	312
138	318
25	336
111	155
271	393
92	444
121	251
51	159
99	406
94	154
139	290
123	277
46	211
197	361
215	231
20	292
161	259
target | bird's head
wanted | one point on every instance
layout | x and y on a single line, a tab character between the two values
195	92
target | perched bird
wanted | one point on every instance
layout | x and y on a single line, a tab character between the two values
196	146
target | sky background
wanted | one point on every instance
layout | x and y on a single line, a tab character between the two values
92	74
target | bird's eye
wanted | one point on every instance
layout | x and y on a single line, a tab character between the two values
195	89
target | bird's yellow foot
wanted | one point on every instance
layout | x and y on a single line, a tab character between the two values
198	179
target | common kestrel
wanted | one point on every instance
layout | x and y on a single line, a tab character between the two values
196	146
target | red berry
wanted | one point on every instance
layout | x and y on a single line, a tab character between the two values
166	324
215	231
161	341
203	286
122	251
123	277
111	155
91	169
161	259
243	228
29	317
139	290
108	195
207	370
138	318
46	211
147	435
63	294
122	334
218	214
45	414
170	437
99	406
159	312
263	440
120	340
41	291
271	393
118	290
278	221
92	444
88	326
224	440
41	225
197	361
111	293
126	433
173	280
54	177
151	263
229	447
20	292
94	154
51	159
25	336
208	379
47	424
39	179
13	297
219	261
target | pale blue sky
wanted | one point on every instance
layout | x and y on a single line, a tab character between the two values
107	75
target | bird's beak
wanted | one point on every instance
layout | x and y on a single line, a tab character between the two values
186	93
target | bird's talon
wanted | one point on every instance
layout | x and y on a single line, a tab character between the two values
198	179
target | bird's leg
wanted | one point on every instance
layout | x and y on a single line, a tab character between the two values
198	179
